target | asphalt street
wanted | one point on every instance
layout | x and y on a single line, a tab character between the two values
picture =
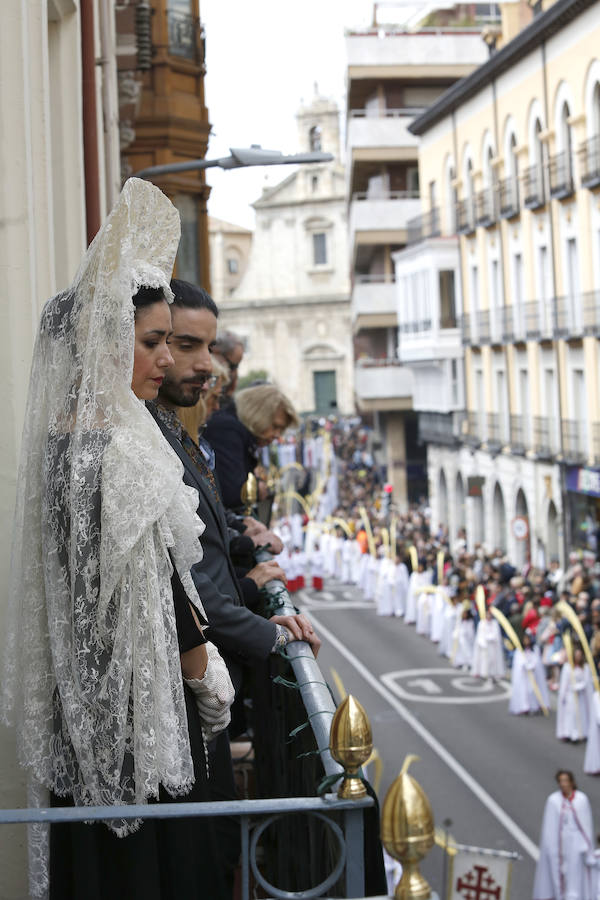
486	771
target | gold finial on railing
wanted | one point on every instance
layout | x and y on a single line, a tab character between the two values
408	832
351	743
250	493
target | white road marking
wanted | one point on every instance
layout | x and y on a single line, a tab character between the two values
478	691
427	684
467	779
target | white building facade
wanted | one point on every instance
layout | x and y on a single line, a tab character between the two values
292	307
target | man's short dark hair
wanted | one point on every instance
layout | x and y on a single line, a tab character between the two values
190	296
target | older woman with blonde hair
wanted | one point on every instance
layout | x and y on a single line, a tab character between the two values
259	415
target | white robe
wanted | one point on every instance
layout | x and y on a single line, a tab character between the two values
439	605
591	762
346	574
385	588
572	715
297	530
400	589
356	556
424	604
451	619
416	581
527	665
316	564
488	657
566	850
372	578
363	572
463	641
338	562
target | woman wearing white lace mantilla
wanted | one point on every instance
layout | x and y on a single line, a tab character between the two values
107	674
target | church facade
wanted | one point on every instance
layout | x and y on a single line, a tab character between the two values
292	307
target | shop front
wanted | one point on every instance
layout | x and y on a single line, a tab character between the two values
583	498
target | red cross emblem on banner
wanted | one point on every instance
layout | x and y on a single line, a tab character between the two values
478	884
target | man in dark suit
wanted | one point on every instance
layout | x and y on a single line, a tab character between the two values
242	636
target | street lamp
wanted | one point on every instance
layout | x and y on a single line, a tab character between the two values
238	158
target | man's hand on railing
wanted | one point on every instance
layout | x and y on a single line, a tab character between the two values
300	629
264	572
261	536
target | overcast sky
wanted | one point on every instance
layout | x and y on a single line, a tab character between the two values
263	58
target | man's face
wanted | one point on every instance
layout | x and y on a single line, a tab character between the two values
194	333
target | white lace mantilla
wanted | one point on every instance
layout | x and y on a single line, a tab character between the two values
91	670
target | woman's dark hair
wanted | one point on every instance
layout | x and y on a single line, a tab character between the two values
568	774
146	296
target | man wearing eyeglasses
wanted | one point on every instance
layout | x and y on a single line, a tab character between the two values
229	349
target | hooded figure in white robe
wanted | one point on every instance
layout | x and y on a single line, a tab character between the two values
591	762
297	530
527	669
565	867
372	578
385	587
572	714
356	555
440	602
488	656
346	575
452	613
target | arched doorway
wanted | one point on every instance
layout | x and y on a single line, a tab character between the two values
553	550
499	520
523	546
443	499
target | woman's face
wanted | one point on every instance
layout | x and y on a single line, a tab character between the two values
151	357
278	425
213	397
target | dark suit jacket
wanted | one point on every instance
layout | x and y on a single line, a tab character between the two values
235	453
242	636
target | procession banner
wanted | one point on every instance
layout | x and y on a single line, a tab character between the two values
479	876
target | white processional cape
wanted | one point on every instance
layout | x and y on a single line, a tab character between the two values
91	670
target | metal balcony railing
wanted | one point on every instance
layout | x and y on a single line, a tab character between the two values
186	37
589	161
485	207
574	441
415	327
568	317
507	326
533	187
518	440
560	175
437	428
427	225
409	112
256	815
473	428
591	313
362	196
508	197
494	429
545	439
465	216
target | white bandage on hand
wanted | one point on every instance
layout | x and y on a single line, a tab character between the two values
214	694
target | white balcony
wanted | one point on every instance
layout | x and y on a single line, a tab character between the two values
373	302
382	385
388	128
446	52
377	220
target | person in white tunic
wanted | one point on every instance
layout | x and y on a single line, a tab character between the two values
386	587
591	762
565	866
417	580
424	610
297	530
356	557
338	558
488	656
572	714
527	670
400	588
372	578
346	577
452	614
439	604
463	640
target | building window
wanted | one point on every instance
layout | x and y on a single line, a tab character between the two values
320	249
315	138
188	268
447	299
233	266
412	180
314	183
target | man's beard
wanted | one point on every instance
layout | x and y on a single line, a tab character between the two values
183	393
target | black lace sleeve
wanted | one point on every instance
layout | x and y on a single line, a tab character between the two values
188	633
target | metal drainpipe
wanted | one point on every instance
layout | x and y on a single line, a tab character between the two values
461	275
561	465
90	122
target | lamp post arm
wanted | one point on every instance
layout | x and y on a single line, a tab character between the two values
239	158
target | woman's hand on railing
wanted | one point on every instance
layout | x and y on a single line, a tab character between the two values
301	630
214	694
